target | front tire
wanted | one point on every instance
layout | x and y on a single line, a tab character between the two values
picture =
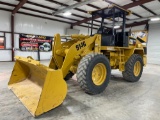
133	68
93	73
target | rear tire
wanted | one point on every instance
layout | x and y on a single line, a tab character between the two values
133	68
90	80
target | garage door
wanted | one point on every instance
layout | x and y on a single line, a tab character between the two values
154	44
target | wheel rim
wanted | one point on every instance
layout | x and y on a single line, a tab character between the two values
137	68
99	74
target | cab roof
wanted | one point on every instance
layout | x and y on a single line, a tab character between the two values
110	11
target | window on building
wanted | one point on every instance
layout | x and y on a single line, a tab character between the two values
2	42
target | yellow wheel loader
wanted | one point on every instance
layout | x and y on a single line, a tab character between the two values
91	58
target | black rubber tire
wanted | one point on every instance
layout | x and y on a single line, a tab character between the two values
128	74
68	76
84	73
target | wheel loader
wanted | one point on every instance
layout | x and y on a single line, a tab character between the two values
90	57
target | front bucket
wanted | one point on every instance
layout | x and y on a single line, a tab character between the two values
38	87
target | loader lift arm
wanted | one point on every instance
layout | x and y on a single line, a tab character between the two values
66	57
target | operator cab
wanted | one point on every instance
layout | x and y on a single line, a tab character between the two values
110	35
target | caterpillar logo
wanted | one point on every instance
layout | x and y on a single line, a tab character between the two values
81	45
42	37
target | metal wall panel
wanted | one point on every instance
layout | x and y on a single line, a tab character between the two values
154	44
8	41
5	21
27	24
5	55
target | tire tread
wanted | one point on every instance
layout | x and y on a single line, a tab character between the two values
82	69
128	73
